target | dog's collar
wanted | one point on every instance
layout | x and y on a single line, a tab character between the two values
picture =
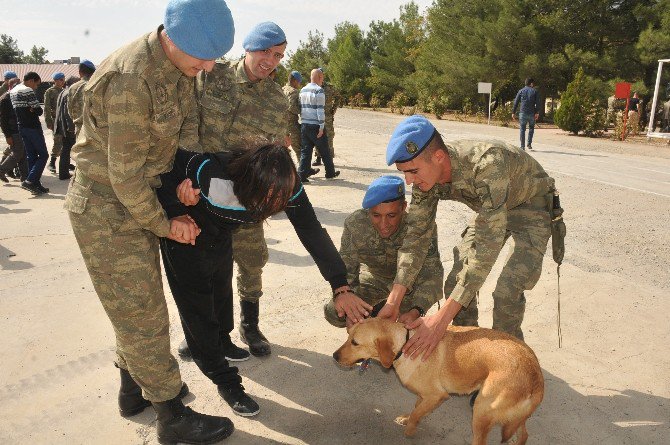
399	354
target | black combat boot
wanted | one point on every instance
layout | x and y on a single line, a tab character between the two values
249	332
131	401
52	165
180	424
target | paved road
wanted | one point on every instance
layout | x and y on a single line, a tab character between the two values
609	384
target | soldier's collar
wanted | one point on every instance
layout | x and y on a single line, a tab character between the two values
169	71
456	174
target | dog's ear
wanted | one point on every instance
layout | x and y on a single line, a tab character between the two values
385	351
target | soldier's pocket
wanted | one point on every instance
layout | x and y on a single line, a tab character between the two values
166	123
76	198
119	218
216	104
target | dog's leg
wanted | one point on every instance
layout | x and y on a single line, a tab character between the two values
402	420
425	406
515	433
481	425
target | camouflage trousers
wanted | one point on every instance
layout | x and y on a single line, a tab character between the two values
124	265
529	230
57	147
250	253
294	133
375	289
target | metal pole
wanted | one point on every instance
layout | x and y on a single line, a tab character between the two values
489	123
650	128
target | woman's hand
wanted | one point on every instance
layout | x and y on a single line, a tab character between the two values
186	194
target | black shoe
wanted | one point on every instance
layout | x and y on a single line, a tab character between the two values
131	401
529	147
304	179
317	161
71	167
232	352
3	178
32	188
239	401
313	171
52	165
179	424
41	188
249	332
334	175
11	174
64	178
473	397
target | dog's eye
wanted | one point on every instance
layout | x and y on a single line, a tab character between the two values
353	342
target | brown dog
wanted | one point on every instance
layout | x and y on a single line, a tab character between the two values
503	369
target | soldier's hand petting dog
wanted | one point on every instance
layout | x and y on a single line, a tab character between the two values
429	330
183	229
186	194
349	304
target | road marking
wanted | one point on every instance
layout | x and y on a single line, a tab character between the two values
610	183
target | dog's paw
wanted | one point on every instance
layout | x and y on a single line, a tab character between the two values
410	430
402	420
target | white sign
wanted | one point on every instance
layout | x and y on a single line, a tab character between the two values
484	87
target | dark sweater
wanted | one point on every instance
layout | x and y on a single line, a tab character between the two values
218	211
7	116
26	107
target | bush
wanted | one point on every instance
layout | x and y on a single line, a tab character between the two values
357	101
438	106
375	102
468	108
583	106
398	101
503	114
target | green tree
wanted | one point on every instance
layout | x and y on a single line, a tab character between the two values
394	48
9	50
37	55
583	105
348	65
309	55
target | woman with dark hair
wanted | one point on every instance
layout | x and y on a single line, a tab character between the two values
233	188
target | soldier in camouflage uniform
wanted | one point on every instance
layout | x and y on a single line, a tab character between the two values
371	239
50	97
75	98
138	108
292	92
512	195
332	103
239	106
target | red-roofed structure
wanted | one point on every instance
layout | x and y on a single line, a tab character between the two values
45	70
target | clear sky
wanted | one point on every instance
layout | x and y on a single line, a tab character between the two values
92	29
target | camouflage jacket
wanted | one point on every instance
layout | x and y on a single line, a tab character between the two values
332	101
235	111
293	100
138	107
75	103
491	178
365	252
50	98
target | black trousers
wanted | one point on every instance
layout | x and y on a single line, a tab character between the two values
201	281
64	161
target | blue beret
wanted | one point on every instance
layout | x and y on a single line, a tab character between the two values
263	36
296	75
203	29
58	76
409	139
10	75
384	189
88	64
